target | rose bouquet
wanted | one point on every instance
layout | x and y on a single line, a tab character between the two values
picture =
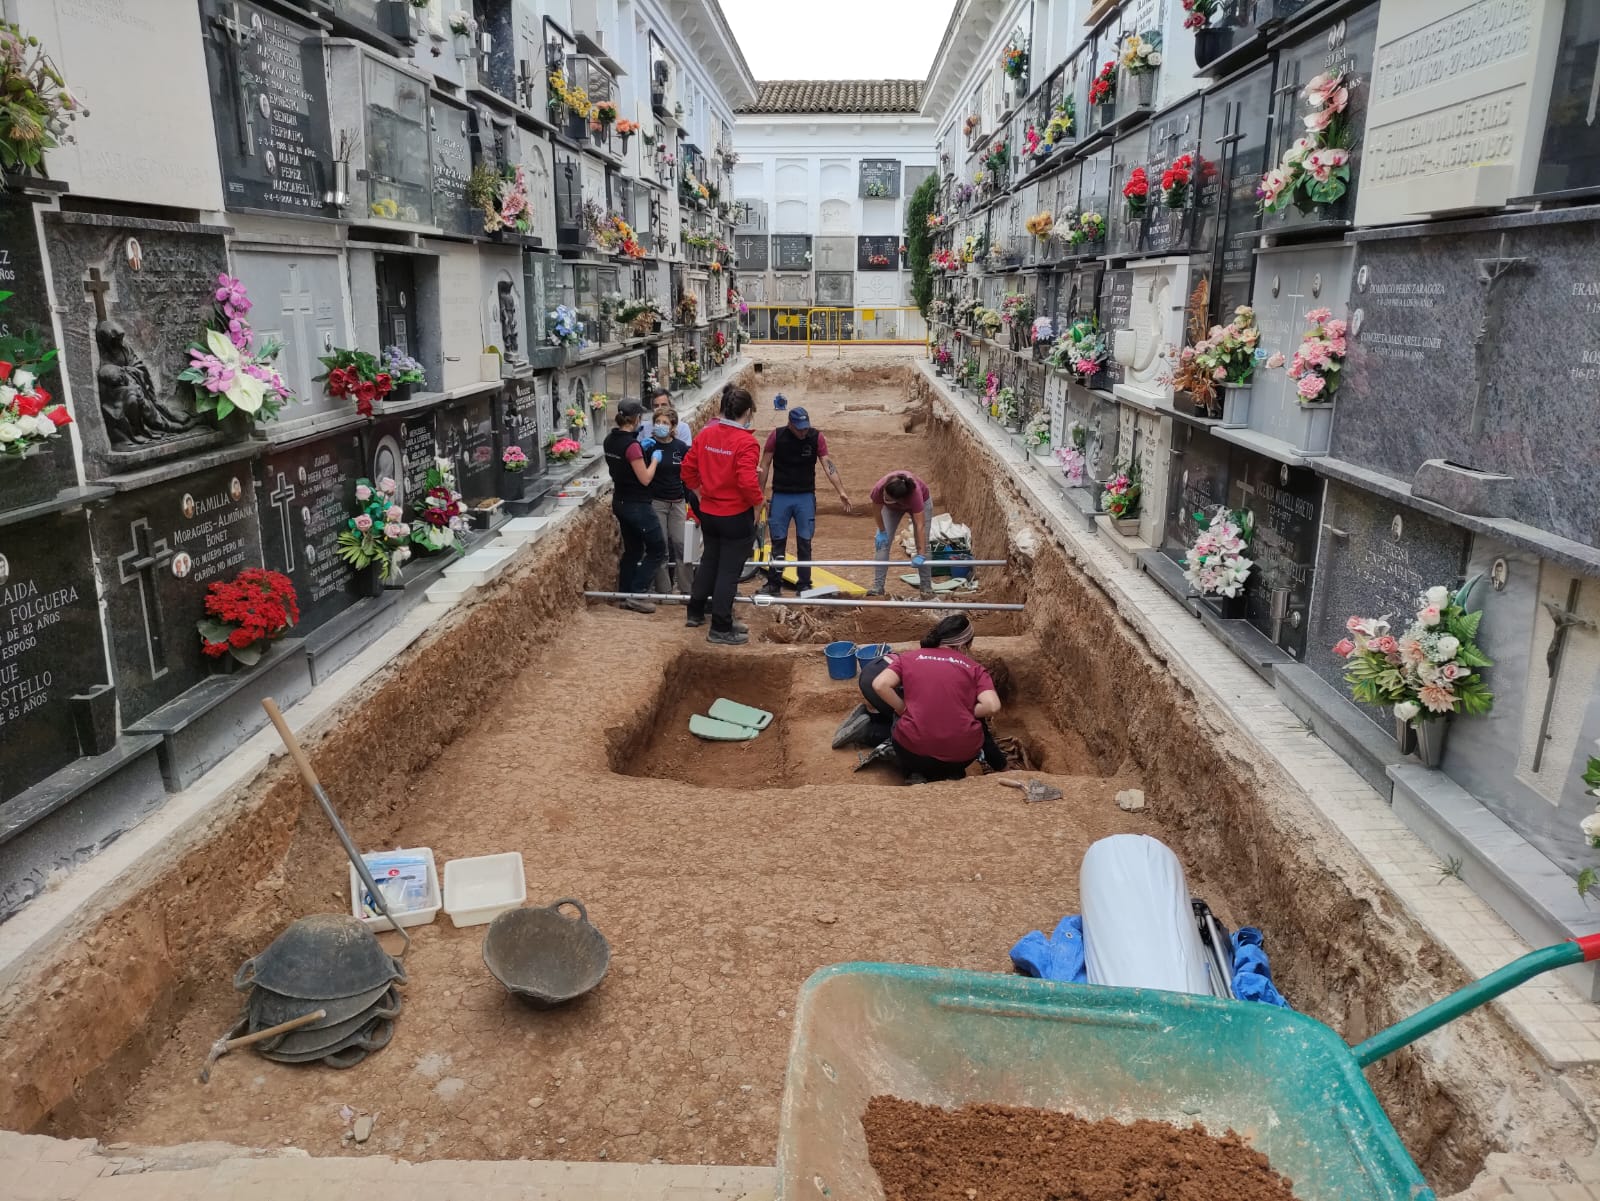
1071	457
1103	90
576	418
442	514
1428	672
1226	355
514	460
1175	181
1315	169
1081	349
1016	309
502	196
1199	13
1216	563
29	415
246	613
1040	225
565	327
942	358
376	534
227	370
1136	192
1120	498
1141	53
1031	141
1091	227
357	374
564	449
1319	360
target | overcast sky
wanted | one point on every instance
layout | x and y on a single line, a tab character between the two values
838	39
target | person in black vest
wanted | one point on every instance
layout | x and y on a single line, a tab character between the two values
644	548
791	456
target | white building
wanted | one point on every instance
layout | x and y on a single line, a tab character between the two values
826	167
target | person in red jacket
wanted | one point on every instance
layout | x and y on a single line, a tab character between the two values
721	467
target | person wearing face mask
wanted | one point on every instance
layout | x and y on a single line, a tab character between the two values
632	469
668	496
721	467
660	402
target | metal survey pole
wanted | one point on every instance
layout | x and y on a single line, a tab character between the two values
764	601
787	563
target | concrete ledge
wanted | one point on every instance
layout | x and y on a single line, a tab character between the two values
1258	652
1339	722
1533	895
1167	572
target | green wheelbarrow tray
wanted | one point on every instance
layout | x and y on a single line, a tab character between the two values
943	1037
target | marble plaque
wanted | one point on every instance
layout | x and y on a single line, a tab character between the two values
1458	97
271	109
880	178
1286	503
451	150
791	252
157	549
1530	280
539	173
298	299
461	305
835	287
1173	134
161	150
465	434
1233	157
524	421
1145	346
834	254
306	497
1116	313
1290	282
1198	481
504	306
51	645
402	450
751	251
1374	558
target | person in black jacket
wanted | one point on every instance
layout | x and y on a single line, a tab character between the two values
644	549
790	457
669	497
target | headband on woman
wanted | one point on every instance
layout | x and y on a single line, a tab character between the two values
962	637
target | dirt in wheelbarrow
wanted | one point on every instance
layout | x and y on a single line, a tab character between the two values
1006	1153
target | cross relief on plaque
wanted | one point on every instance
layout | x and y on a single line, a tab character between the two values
139	566
281	498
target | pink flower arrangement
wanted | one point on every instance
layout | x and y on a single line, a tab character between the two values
1315	169
1429	671
1318	362
1216	563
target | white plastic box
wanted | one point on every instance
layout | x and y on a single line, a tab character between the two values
479	889
419	915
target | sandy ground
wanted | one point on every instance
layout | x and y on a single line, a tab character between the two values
723	876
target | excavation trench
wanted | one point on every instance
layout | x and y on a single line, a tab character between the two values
722	874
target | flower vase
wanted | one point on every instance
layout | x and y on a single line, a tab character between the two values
1229	608
1108	114
1208	46
1430	741
369	581
1145	82
1235	405
1128	527
224	665
400	393
1405	735
396	579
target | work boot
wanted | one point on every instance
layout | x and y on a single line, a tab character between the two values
772	588
691	622
733	637
852	729
635	605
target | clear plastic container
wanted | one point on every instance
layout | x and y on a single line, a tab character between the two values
479	889
418	909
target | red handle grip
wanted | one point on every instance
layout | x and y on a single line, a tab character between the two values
1589	944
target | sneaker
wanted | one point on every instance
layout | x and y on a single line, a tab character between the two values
771	588
740	628
635	605
875	592
881	753
692	622
852	729
734	637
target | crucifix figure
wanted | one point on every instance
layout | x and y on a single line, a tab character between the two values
1566	620
1490	273
280	498
148	556
235	35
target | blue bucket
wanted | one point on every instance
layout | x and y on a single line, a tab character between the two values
871	652
841	660
779	402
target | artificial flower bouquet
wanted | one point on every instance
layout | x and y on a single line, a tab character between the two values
1090	227
1216	563
1199	13
1081	349
501	194
1141	53
1073	457
37	103
357	374
1037	435
988	321
1062	122
1430	671
441	514
1318	362
1043	332
402	368
565	327
1016	309
1315	169
564	449
1136	192
246	613
29	415
576	418
1120	498
514	459
1005	406
1103	91
1226	355
376	534
1014	58
1175	181
227	370
1040	225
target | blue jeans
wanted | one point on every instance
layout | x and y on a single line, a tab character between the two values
801	509
644	547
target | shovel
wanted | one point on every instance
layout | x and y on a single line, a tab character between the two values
309	775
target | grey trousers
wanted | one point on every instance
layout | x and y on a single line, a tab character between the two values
889	520
670	514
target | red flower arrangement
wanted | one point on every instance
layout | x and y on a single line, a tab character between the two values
358	374
246	613
1136	191
1104	88
1175	181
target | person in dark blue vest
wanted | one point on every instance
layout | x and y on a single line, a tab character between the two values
790	458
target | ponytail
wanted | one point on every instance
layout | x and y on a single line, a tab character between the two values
736	402
953	631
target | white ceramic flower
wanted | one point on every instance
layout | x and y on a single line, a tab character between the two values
1448	647
1406	710
1438	595
23	380
245	391
1153	58
1591	829
9	432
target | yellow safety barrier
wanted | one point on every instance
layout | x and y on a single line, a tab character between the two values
837	326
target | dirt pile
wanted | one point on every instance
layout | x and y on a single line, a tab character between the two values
1007	1153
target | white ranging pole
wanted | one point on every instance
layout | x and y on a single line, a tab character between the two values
763	601
787	563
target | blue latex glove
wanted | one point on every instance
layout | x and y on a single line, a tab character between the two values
881	541
655	456
647	444
917	560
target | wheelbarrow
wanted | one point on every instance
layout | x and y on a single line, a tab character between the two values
1282	1079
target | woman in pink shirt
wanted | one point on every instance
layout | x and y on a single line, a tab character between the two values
898	495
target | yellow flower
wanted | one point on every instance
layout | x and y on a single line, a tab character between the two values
386	207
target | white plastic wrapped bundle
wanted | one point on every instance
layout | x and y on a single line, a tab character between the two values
1138	927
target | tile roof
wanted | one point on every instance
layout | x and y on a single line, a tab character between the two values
836	96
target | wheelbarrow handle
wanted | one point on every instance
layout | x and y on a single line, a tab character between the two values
1480	992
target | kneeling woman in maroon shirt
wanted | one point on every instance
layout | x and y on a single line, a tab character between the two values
940	700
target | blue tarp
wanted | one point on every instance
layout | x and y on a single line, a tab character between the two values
1060	957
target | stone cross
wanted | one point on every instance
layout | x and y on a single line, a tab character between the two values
96	288
1566	620
281	496
236	35
141	563
296	303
